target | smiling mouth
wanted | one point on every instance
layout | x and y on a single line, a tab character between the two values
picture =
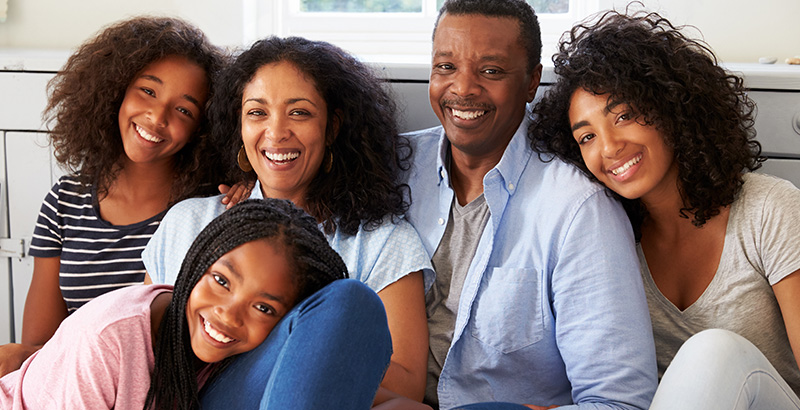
467	115
146	135
281	158
626	166
215	334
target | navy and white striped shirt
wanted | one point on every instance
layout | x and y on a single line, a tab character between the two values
96	256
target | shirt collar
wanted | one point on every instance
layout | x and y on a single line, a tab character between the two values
511	165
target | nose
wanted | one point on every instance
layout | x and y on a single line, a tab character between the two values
230	314
611	145
157	114
277	129
465	83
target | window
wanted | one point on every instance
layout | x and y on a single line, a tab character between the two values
388	31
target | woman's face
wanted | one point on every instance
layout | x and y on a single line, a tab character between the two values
162	109
628	157
240	298
284	120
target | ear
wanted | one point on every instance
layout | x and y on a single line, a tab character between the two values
536	77
333	130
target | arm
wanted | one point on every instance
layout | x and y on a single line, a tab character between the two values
787	292
602	323
404	301
44	311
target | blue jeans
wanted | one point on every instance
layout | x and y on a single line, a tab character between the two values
718	369
329	352
492	406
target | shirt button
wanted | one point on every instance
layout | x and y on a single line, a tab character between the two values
442	173
510	187
441	221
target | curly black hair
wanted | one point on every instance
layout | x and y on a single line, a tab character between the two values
530	36
86	94
672	82
315	263
363	185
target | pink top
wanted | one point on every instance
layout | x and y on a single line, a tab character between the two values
101	357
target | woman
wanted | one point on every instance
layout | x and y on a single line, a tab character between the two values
648	113
315	126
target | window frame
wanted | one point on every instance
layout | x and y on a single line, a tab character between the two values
382	37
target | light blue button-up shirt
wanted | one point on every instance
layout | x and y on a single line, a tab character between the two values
552	311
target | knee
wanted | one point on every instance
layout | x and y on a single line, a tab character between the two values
350	297
718	349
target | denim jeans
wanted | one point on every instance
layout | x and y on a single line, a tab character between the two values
329	352
718	369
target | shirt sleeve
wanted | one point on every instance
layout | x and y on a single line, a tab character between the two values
401	253
47	236
603	328
780	240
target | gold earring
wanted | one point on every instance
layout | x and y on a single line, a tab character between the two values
244	163
329	161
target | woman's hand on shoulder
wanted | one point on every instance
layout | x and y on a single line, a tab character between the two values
236	193
12	356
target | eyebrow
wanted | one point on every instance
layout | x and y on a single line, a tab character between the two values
288	101
579	124
186	97
238	276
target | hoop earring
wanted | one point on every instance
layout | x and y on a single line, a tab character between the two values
329	161
241	159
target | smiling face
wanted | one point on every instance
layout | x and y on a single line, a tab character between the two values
240	298
284	122
480	82
162	109
627	156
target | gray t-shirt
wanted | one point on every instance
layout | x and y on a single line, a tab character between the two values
451	263
762	246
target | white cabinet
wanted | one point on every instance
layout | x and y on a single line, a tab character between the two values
26	174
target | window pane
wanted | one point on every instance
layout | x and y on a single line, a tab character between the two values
362	6
540	6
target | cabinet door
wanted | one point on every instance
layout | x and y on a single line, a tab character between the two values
31	173
6	302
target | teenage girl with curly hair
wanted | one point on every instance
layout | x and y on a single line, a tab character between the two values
649	113
251	274
312	124
128	120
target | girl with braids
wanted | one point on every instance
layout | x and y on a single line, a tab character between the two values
650	114
251	274
127	113
312	124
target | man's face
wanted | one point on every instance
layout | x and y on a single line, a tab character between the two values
480	82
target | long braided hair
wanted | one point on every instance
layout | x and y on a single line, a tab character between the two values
316	264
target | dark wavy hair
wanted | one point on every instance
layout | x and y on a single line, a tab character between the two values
315	263
363	185
530	36
86	95
672	82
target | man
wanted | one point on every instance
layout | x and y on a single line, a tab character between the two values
538	298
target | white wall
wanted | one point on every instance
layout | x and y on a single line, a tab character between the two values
60	24
738	30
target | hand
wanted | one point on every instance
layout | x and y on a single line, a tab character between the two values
531	406
236	193
12	355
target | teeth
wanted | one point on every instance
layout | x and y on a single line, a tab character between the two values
146	135
281	157
215	334
467	115
626	166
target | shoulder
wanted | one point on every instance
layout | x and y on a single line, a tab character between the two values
558	182
128	303
766	193
195	210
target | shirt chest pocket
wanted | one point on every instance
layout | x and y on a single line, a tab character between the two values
507	313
